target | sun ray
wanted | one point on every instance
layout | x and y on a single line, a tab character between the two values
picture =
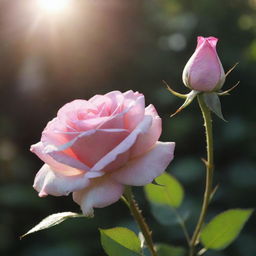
53	6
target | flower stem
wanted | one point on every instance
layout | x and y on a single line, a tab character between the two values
136	212
209	171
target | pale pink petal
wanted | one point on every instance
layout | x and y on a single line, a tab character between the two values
146	140
200	40
116	99
103	104
120	154
144	169
62	157
128	114
205	70
76	109
135	102
90	149
102	192
213	41
116	121
55	132
38	149
90	146
88	124
49	182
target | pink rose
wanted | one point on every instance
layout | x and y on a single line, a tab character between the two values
204	71
94	148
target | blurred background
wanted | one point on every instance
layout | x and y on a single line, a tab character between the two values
51	54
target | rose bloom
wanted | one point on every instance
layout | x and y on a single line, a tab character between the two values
204	71
94	148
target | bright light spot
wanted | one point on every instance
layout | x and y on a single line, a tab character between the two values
53	6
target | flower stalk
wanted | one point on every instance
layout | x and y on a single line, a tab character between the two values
136	213
209	163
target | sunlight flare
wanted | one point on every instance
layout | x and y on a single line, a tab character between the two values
53	6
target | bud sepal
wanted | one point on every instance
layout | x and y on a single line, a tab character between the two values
212	101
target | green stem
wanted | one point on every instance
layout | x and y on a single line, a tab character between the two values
209	172
136	212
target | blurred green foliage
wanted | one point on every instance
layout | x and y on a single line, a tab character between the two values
121	45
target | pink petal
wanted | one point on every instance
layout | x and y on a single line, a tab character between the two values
205	69
38	149
119	155
146	140
135	102
113	121
212	41
90	146
101	193
76	110
200	40
56	132
109	103
49	182
116	99
144	169
128	114
105	104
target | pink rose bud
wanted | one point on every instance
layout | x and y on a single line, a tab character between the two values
204	71
95	148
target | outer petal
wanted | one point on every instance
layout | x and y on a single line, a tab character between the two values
90	146
146	140
61	161
120	154
102	192
203	70
49	182
38	149
136	103
143	170
212	41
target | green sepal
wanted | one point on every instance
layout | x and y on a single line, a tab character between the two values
227	92
189	98
212	101
231	69
177	94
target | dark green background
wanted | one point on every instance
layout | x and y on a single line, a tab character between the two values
119	45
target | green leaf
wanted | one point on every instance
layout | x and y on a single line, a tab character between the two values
224	228
213	103
171	193
168	250
53	220
120	242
